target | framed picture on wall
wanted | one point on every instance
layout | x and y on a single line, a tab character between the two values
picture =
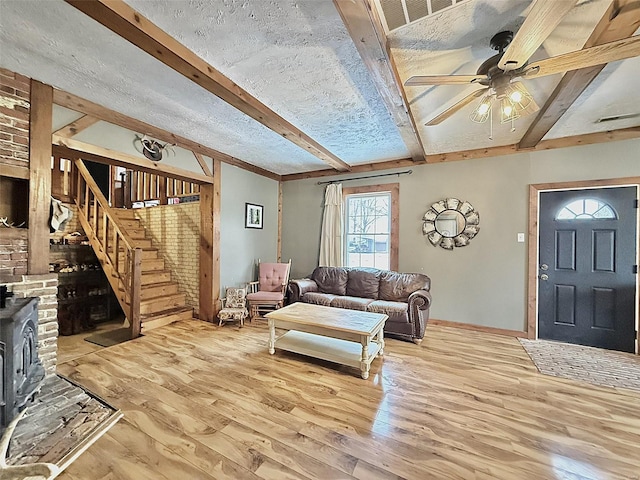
253	215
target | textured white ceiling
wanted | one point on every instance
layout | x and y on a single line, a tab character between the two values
298	59
311	76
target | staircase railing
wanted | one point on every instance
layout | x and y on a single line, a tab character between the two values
144	186
121	259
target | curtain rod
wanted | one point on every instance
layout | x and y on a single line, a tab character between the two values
407	172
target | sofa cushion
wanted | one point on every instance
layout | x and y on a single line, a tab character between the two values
352	303
363	282
331	279
397	287
397	311
318	298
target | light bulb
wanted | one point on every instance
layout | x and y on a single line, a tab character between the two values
507	110
516	96
483	108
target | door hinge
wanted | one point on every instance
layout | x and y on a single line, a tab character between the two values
635	203
635	269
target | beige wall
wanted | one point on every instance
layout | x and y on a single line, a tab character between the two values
485	282
240	248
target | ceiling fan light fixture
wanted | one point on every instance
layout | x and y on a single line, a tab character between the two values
508	111
519	96
482	111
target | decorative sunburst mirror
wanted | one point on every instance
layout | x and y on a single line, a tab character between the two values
450	223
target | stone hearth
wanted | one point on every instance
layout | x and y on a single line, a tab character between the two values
63	421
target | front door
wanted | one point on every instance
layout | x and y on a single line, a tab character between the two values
587	280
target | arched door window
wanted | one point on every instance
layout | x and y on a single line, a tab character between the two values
586	209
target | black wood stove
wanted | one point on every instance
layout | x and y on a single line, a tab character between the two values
22	371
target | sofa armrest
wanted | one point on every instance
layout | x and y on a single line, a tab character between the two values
419	303
297	288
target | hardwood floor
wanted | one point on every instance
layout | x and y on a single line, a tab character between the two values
203	402
74	346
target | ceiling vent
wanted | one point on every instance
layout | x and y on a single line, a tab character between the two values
398	13
612	118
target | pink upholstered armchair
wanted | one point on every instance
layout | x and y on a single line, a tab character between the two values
268	292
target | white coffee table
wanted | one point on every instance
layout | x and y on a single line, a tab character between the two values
347	337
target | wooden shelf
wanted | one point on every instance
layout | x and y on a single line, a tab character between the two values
78	309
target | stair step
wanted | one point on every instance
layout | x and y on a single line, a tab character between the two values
158	304
143	243
147	253
137	233
158	290
149	278
128	223
150	265
166	317
125	213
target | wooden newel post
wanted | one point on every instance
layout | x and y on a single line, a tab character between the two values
136	288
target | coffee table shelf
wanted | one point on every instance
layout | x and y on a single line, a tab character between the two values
330	349
338	335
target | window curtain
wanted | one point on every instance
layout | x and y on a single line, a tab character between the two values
331	238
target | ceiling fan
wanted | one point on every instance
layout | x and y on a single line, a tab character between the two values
499	73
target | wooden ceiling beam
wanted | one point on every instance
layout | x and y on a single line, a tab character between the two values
71	149
369	37
78	104
77	126
577	140
620	21
123	20
203	164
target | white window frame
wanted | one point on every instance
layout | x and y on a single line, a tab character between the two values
394	211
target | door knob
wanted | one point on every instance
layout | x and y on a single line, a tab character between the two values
544	277
544	267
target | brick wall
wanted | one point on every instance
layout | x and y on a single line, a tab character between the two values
13	252
175	230
14	118
46	288
14	150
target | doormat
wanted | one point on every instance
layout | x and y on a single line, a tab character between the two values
110	338
606	368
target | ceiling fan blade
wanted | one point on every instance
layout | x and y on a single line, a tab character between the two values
543	18
587	57
420	80
457	106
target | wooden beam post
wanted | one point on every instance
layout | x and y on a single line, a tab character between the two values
203	164
368	35
279	221
40	125
210	246
76	126
83	105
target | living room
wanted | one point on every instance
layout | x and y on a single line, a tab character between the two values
211	402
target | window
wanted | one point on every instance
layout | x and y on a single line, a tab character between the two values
586	208
371	224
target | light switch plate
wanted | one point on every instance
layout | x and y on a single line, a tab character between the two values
520	237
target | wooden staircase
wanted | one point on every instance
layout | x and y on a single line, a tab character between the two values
160	301
136	273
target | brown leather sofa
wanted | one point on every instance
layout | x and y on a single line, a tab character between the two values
404	297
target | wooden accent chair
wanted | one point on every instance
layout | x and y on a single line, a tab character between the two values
267	293
233	306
